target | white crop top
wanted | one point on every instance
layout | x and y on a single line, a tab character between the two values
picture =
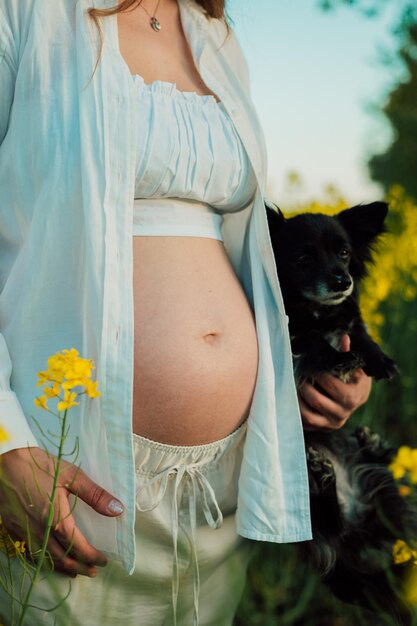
191	164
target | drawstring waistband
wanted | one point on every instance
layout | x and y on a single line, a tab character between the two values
198	482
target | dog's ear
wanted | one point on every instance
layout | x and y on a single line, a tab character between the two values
363	223
275	216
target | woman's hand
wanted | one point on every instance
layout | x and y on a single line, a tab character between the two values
329	412
26	480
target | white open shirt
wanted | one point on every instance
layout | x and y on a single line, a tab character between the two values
67	175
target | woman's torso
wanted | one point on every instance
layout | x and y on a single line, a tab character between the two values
195	346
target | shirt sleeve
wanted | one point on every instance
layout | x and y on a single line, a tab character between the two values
15	431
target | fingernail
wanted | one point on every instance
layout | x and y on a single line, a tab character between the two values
101	559
115	506
92	573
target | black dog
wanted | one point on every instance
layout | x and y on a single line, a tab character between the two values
357	514
356	509
320	260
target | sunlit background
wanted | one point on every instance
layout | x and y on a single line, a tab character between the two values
317	81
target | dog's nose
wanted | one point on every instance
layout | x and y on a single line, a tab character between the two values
341	282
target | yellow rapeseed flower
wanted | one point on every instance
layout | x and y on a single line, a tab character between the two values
404	490
398	471
402	552
19	547
91	389
68	401
4	435
403	457
13	548
72	353
66	370
52	392
405	462
68	366
44	377
41	402
74	382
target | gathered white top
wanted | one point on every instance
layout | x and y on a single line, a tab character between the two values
191	164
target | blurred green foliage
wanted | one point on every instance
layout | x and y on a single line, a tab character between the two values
397	163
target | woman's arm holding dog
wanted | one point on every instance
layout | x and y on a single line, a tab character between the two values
331	411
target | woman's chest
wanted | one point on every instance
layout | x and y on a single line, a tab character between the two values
163	55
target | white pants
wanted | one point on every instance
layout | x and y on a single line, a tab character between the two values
190	565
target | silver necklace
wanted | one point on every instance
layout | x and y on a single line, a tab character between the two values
155	24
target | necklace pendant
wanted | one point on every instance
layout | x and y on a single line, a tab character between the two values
156	24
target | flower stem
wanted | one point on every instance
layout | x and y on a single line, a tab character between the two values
41	558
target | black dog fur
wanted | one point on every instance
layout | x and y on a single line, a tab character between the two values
320	260
356	509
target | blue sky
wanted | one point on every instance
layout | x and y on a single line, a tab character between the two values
314	77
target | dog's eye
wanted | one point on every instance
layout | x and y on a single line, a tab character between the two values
303	258
344	253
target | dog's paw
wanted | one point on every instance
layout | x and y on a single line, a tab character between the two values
367	438
372	446
320	465
381	367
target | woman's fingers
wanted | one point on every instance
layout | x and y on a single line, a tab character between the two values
81	485
25	488
330	402
58	556
61	561
313	420
319	409
71	538
344	344
350	395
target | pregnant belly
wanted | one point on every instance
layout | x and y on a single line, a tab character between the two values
195	346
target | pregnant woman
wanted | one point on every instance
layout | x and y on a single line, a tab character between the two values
132	227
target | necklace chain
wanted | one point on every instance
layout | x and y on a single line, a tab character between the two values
154	23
